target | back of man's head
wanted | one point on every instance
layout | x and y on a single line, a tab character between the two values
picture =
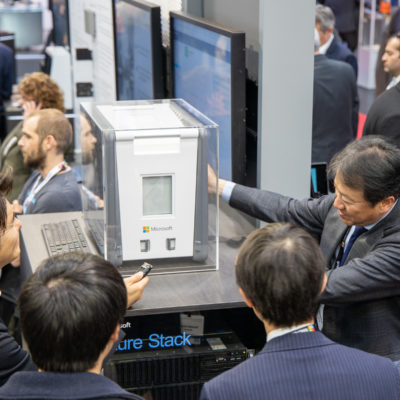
280	268
53	122
324	17
371	165
69	309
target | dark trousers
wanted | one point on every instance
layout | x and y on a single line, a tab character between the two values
351	38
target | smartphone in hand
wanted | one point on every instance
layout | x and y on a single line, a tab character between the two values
145	268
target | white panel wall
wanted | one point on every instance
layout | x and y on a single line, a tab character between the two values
285	97
102	45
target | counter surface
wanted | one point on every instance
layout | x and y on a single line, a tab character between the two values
165	293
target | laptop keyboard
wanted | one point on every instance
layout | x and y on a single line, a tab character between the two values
96	228
64	237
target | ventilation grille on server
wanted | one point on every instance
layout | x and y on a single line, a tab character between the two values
136	373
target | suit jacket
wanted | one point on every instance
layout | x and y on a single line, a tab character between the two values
335	108
307	366
11	156
362	298
340	51
12	357
383	117
53	385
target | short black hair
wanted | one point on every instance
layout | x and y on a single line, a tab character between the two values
280	268
69	308
370	164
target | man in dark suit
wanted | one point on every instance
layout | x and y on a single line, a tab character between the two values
335	106
391	60
329	44
280	272
383	117
347	14
362	296
71	309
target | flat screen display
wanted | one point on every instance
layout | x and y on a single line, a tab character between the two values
157	195
137	50
319	181
204	76
25	23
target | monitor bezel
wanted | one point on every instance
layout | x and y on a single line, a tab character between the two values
238	86
156	46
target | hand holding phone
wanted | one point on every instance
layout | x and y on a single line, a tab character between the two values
136	284
145	268
30	107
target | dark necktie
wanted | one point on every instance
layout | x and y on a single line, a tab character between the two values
357	232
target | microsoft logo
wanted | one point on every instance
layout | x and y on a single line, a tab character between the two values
146	229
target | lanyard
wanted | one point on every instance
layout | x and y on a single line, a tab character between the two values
341	249
37	187
296	329
91	196
308	328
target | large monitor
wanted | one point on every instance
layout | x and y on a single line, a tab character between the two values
208	71
25	22
138	50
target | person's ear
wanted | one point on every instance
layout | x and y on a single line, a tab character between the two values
248	302
115	335
324	282
387	203
49	142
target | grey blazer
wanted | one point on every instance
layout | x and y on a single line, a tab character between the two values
362	298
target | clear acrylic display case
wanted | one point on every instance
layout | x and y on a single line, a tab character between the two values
145	184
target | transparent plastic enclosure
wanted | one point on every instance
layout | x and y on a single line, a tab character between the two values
145	184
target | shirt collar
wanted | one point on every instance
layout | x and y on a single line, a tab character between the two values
324	48
283	331
368	227
393	82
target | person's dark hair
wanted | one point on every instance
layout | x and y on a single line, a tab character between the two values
281	268
69	309
370	164
6	181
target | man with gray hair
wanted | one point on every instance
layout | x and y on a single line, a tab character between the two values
329	44
335	106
